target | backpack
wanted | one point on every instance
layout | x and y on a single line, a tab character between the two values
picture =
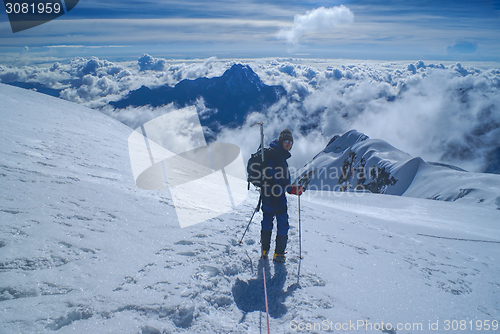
255	168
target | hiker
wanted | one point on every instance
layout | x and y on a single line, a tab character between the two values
274	204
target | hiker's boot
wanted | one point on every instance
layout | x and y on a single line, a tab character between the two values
265	240
279	252
279	258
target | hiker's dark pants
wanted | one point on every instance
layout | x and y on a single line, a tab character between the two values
275	206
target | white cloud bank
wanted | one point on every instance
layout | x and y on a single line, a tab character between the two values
442	113
317	20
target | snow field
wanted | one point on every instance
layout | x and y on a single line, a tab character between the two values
84	250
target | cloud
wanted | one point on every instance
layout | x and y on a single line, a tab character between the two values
134	117
412	29
281	116
317	20
442	114
464	47
95	82
146	62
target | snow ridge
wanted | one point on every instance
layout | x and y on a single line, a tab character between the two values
354	162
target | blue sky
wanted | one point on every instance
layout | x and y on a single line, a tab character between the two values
378	30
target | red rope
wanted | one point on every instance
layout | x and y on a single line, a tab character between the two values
265	295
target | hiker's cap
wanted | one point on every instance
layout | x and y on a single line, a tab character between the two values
285	135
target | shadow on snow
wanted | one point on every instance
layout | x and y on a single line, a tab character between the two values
249	295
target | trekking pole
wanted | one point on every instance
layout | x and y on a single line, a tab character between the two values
257	208
304	182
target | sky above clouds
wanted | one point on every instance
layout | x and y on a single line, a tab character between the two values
355	29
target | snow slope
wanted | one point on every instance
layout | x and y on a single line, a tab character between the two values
367	158
83	250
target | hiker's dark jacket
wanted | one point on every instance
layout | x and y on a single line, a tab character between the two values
277	176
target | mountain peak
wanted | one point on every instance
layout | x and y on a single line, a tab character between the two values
243	74
240	69
338	144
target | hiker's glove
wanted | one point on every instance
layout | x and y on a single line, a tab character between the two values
297	191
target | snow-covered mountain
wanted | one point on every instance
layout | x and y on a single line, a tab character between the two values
83	250
354	162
